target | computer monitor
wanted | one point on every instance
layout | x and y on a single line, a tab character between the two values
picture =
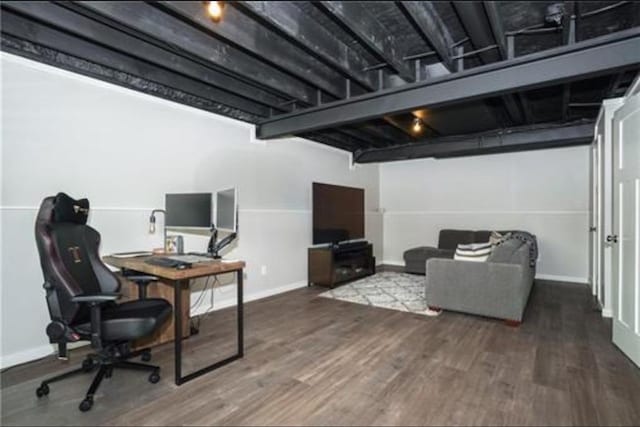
188	210
227	210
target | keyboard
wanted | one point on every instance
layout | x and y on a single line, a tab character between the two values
167	262
191	259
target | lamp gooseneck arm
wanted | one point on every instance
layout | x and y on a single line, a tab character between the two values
152	224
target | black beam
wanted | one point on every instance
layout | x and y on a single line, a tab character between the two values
175	33
73	21
242	31
598	56
569	36
356	18
300	28
385	130
25	37
481	34
508	140
429	25
495	22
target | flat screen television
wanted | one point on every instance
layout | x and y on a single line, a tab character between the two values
338	213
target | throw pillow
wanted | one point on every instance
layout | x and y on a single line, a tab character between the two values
476	252
496	238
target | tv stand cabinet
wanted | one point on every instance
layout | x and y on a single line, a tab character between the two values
334	265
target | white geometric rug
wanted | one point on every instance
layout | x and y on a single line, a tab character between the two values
396	291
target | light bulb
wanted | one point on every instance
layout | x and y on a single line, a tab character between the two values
417	125
214	8
152	224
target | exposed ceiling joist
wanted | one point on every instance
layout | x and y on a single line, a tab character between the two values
568	37
356	19
176	33
246	33
427	22
495	22
481	33
516	139
55	47
89	29
599	56
300	28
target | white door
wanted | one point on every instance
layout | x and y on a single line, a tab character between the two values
626	228
593	223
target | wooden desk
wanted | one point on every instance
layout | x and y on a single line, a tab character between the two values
178	280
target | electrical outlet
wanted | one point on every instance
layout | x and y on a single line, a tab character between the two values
263	270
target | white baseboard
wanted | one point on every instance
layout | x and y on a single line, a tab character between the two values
26	356
559	278
231	302
392	262
606	312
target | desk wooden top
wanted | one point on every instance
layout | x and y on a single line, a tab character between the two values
199	269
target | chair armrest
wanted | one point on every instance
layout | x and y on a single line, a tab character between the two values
95	298
95	301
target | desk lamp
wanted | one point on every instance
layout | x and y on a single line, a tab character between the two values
152	224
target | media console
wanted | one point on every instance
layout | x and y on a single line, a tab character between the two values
336	264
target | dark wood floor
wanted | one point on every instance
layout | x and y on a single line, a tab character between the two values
318	361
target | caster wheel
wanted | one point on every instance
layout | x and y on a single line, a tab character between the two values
146	356
42	391
87	365
86	404
154	377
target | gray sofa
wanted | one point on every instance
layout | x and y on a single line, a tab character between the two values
497	288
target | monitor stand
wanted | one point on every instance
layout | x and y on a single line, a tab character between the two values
214	247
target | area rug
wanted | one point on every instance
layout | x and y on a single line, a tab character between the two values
395	291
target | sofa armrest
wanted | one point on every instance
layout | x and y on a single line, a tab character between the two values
491	289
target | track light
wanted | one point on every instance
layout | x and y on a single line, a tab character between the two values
417	125
214	9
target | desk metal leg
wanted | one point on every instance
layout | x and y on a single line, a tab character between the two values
177	324
240	312
179	379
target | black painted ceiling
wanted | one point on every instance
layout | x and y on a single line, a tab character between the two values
269	58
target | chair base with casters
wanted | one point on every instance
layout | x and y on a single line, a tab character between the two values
105	362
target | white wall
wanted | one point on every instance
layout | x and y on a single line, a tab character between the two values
544	192
124	150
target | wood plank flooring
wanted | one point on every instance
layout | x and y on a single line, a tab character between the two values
316	361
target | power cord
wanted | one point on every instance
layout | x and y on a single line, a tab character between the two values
195	322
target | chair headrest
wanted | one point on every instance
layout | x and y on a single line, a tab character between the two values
67	209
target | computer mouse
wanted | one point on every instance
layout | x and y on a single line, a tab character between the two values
182	266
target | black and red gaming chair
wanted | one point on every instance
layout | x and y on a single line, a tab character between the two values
81	295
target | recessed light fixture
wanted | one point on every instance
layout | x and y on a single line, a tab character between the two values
214	9
417	125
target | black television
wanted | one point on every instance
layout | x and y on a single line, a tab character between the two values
338	213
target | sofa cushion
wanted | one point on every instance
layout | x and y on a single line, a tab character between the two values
504	252
423	253
450	239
